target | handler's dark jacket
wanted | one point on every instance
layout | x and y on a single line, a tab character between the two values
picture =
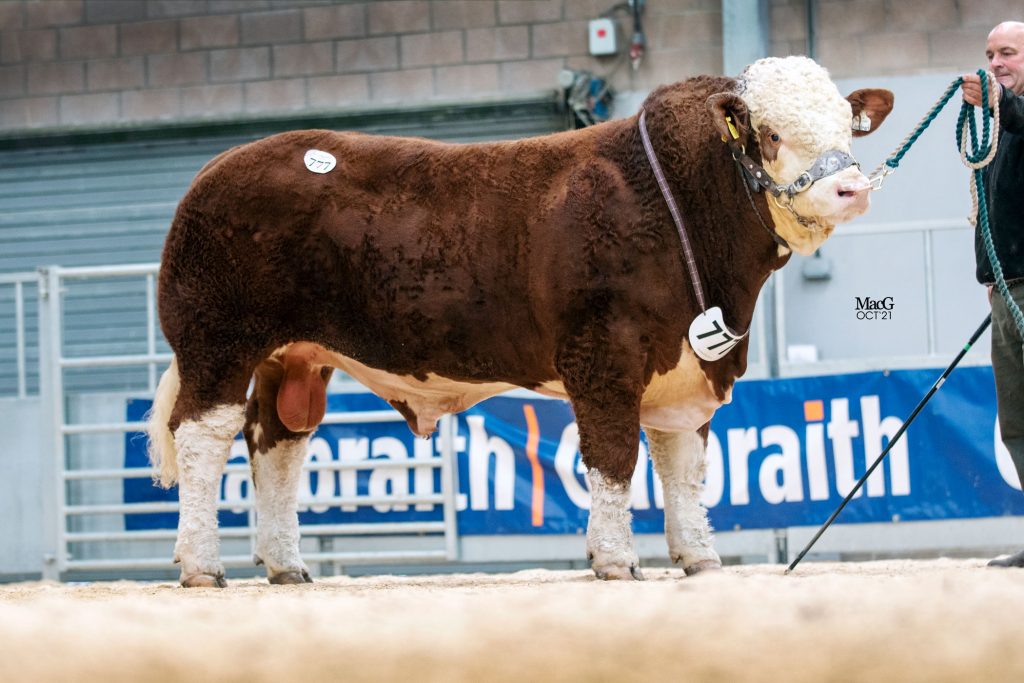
1004	185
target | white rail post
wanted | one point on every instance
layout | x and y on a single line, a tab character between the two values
450	485
51	389
781	356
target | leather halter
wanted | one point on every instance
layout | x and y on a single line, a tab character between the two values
757	178
828	163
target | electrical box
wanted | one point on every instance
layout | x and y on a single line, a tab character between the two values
602	37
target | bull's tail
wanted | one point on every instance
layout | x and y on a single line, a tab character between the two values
162	453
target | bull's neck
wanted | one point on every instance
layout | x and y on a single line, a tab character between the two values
733	252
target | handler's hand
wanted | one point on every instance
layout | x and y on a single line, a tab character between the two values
971	88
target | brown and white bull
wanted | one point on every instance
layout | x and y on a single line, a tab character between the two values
441	274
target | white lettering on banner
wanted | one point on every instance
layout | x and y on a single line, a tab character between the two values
899	461
349	451
781	472
817	473
782	458
481	448
780	476
392	481
236	485
318	451
1004	462
714	478
742	442
638	495
568	464
841	431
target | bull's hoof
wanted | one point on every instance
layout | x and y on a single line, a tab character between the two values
1016	560
631	573
290	578
703	566
204	581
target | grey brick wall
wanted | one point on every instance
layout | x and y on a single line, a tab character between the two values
874	37
71	63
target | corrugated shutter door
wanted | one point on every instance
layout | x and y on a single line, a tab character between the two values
89	201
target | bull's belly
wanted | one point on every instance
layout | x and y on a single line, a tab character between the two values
680	400
426	400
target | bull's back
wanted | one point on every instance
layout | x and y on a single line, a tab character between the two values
408	249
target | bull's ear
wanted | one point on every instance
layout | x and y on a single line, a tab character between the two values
870	107
730	116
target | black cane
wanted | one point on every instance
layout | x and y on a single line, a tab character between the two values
892	442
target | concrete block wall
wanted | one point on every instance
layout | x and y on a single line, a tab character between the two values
891	37
97	63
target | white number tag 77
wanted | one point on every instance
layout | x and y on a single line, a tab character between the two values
710	337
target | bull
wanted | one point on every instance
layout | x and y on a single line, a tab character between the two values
616	267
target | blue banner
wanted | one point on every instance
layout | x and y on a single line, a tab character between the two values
783	453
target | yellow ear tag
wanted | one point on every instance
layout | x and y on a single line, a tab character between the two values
732	129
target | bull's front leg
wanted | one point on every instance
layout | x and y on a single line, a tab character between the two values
606	401
679	459
609	530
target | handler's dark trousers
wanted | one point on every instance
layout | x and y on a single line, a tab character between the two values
1008	366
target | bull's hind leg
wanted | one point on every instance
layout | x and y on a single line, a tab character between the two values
680	463
203	441
287	390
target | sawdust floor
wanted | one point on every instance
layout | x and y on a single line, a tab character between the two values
934	620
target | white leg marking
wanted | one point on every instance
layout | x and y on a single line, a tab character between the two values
680	462
202	450
609	532
277	522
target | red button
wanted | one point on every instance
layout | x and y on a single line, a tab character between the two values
601	33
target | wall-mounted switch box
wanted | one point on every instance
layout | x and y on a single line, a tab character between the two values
602	37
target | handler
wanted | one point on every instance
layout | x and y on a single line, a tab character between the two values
1004	183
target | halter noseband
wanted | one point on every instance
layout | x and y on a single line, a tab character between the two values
828	163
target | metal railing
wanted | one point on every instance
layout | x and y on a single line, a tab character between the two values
18	281
54	363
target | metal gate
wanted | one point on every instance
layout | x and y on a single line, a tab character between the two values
88	512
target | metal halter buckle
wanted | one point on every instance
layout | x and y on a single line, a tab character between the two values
802	182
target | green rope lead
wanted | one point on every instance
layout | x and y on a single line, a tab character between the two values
894	160
977	155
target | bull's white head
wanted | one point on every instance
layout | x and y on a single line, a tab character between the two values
803	127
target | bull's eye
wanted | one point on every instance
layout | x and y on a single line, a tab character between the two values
775	137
